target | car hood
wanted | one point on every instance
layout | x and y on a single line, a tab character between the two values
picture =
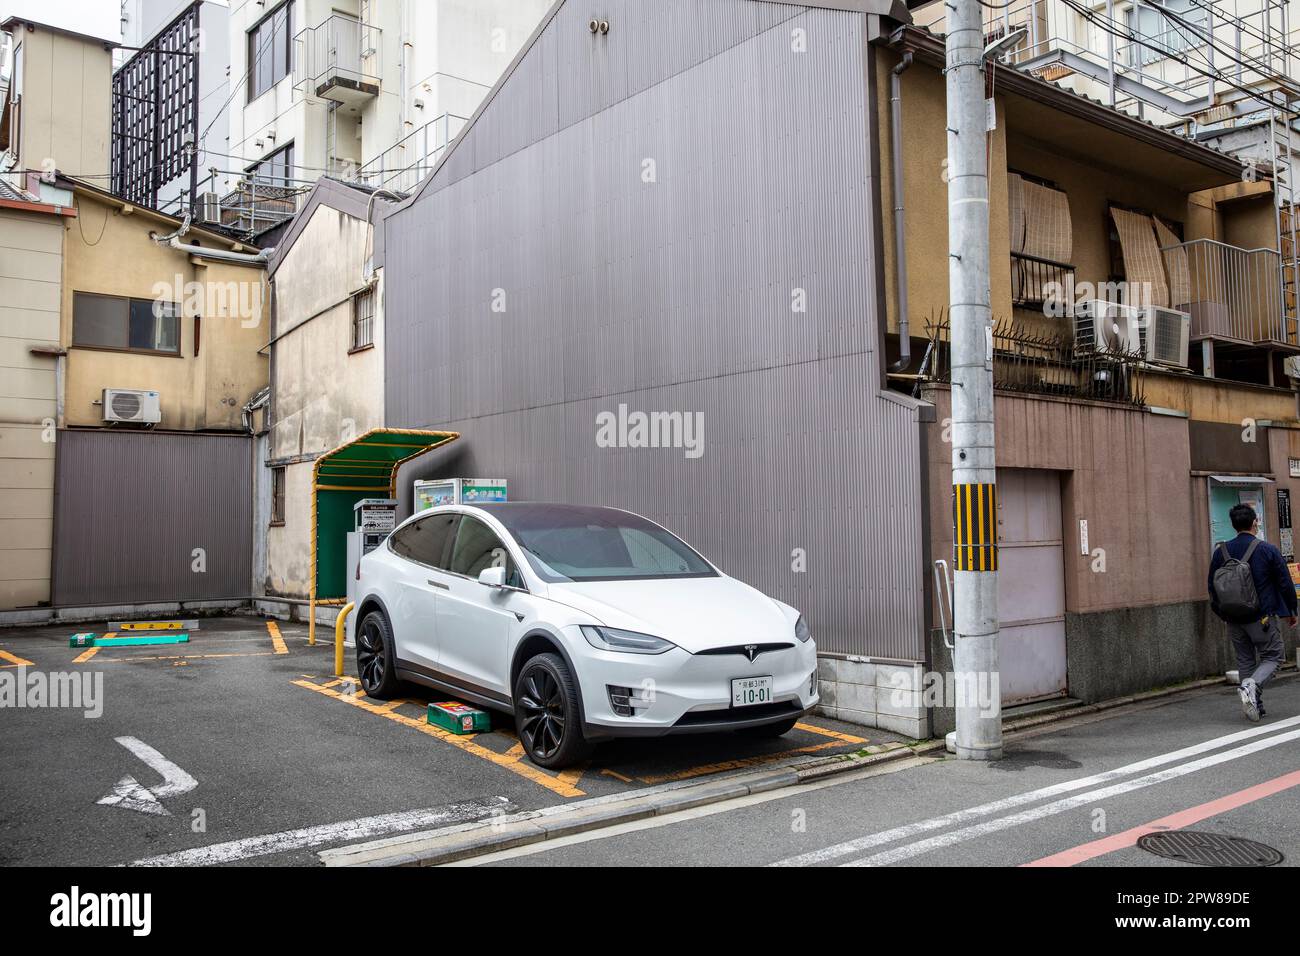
694	613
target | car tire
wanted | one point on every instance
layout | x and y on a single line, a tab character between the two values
548	716
778	729
375	667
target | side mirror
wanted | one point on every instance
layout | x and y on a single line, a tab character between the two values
493	577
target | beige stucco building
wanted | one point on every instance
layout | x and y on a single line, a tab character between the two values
1115	477
31	277
203	357
327	362
58	113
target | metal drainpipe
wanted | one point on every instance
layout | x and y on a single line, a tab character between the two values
900	243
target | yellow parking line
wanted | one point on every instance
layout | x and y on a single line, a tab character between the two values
562	785
276	639
180	657
571	777
16	661
738	764
827	732
86	655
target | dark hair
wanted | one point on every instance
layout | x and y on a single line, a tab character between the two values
1242	517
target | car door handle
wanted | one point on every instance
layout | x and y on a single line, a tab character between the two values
438	584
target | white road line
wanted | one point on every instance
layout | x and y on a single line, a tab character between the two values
129	794
909	830
175	780
361	829
1070	803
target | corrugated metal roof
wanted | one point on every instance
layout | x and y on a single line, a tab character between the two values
9	191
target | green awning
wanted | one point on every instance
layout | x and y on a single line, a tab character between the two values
365	467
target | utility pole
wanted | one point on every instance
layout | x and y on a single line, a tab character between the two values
974	468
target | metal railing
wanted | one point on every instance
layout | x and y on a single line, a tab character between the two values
253	206
405	163
1087	45
1033	279
1232	294
1042	363
337	51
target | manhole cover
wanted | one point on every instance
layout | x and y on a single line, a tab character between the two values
1208	849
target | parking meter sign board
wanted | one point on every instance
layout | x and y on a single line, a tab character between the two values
459	718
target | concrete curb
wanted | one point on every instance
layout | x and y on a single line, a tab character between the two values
1038	720
503	833
461	842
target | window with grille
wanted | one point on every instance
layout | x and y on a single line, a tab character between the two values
363	319
277	495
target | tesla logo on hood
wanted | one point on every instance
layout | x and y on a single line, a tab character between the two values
751	651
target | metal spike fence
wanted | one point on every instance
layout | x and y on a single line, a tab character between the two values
1042	363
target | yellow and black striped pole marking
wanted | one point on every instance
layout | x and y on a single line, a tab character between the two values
975	527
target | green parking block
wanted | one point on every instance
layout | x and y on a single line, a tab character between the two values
459	718
156	640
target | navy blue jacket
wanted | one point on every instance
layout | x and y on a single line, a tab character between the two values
1273	583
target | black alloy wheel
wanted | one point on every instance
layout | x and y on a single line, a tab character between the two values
547	716
375	656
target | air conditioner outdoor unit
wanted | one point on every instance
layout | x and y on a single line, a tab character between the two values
132	405
1101	326
1163	336
209	207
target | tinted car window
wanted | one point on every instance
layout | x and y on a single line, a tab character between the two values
425	540
478	547
567	543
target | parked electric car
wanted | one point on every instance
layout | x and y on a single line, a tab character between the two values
584	623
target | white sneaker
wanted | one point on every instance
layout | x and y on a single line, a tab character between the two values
1249	700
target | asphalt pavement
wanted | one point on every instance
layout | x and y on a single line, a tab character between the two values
241	746
1077	793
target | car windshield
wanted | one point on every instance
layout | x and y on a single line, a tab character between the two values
598	544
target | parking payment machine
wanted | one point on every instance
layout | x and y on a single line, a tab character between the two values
373	519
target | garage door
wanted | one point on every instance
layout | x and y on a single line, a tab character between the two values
1031	585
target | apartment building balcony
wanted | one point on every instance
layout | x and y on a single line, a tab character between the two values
340	59
1233	295
1035	280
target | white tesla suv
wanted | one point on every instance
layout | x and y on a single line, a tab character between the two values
584	623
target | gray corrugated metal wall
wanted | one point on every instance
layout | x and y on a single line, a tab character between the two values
132	507
676	296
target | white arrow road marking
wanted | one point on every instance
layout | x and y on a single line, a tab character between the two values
129	794
962	816
1070	803
361	829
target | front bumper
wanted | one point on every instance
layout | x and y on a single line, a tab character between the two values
682	693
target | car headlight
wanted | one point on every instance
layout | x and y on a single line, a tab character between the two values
801	630
626	642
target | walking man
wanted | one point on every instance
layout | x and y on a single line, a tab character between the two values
1251	590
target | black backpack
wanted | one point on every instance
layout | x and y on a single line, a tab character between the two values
1234	586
